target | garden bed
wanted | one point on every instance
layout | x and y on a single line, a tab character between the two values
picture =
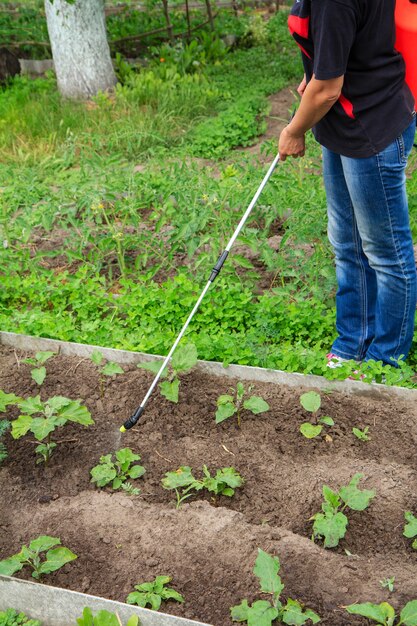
209	548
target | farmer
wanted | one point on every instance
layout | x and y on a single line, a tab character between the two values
354	97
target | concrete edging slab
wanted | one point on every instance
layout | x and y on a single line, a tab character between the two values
244	372
54	606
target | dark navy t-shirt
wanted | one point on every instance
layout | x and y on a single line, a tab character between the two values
355	38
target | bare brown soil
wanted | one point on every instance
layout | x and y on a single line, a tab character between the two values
209	548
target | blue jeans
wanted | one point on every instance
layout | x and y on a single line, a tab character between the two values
369	229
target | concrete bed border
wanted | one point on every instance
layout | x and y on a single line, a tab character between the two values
55	606
243	372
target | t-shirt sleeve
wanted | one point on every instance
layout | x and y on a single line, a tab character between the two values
333	27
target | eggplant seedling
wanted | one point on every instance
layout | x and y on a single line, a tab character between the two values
384	614
153	593
49	415
331	524
410	529
362	435
109	368
183	360
266	612
38	372
311	402
388	583
228	405
104	618
223	483
117	472
42	556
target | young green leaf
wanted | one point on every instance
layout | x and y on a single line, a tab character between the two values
97	357
184	358
383	613
181	478
153	593
10	566
330	526
21	426
266	569
256	405
118	472
239	613
7	399
294	615
44	542
410	529
154	367
224	410
310	430
408	615
111	369
261	613
361	434
170	390
355	498
326	420
388	583
311	401
38	374
55	559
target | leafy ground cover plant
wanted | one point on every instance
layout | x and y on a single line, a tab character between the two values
331	524
362	435
410	529
311	402
119	471
384	614
228	405
41	555
224	482
43	418
183	360
266	612
104	618
11	617
109	368
153	593
38	372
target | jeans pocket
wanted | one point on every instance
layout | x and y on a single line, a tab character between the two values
402	156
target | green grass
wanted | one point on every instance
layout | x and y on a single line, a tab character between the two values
110	224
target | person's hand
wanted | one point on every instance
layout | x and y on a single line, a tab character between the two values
301	87
290	144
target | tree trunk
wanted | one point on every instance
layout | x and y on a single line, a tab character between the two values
210	14
81	54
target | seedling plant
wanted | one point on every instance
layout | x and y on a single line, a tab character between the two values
410	529
4	428
228	405
104	618
224	482
265	612
41	555
153	593
183	360
38	372
11	617
105	368
388	583
311	402
362	435
118	471
331	524
384	614
49	415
